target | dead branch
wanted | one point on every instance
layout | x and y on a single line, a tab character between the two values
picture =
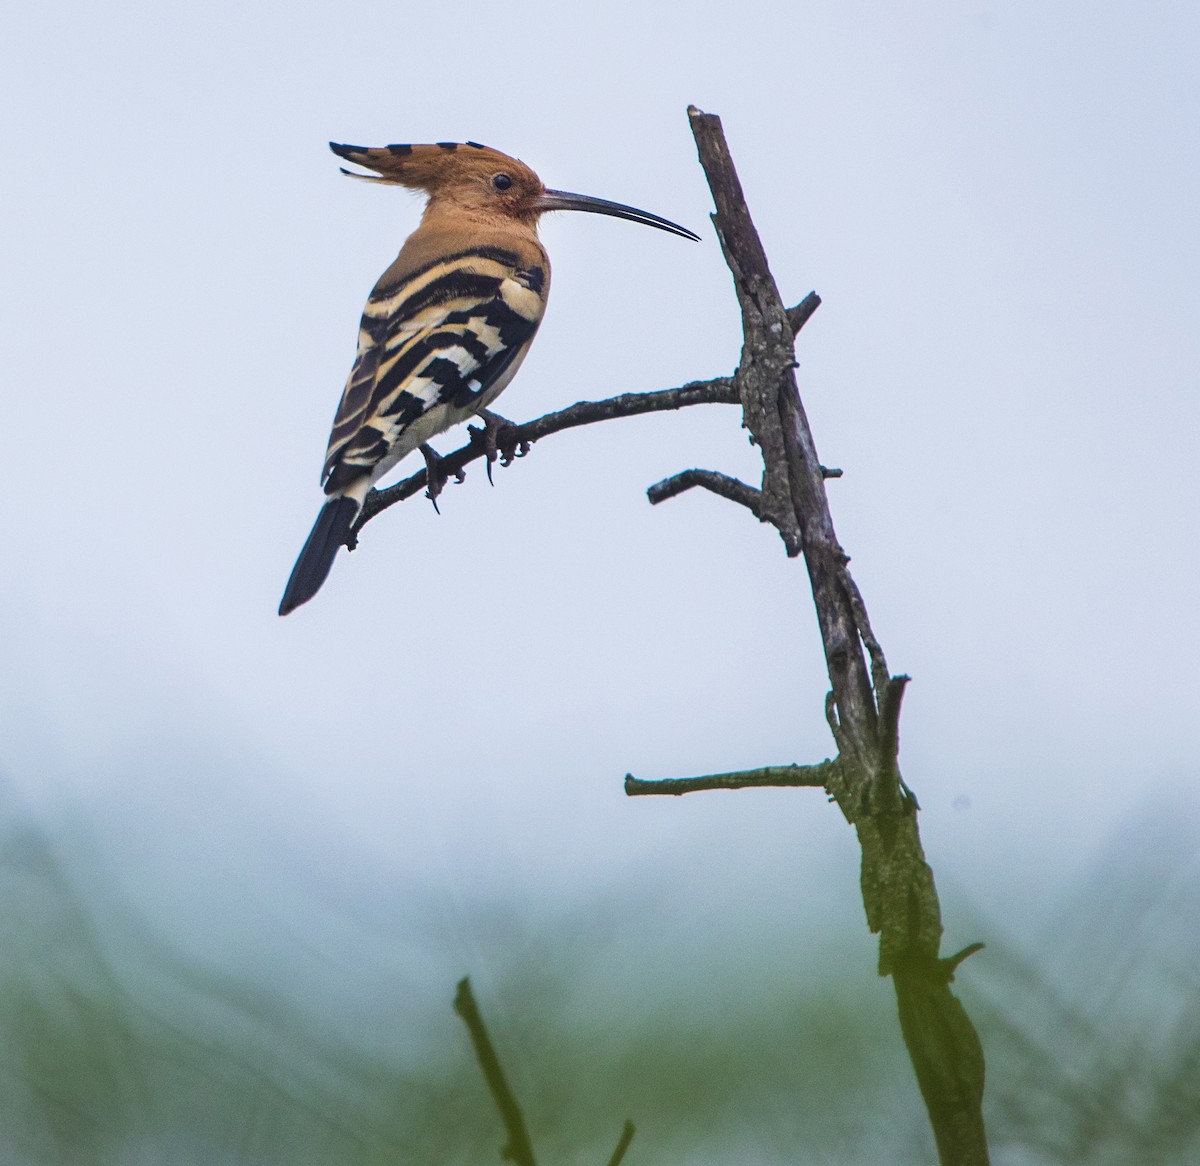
813	776
518	1148
863	708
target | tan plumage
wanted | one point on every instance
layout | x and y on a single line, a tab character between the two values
447	325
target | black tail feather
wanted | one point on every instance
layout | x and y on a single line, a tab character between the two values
312	567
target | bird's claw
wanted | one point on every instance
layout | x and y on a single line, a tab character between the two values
499	439
436	474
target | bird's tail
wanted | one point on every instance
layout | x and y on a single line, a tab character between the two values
312	567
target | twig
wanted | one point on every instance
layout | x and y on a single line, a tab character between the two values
718	391
950	963
890	699
813	776
803	311
756	501
623	1144
722	484
518	1149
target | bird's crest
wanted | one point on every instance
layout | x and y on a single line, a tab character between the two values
465	174
432	167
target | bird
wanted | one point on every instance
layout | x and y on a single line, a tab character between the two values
446	326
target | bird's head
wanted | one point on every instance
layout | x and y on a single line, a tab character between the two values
478	180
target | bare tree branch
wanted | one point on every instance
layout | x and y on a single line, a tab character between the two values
719	391
889	715
518	1148
863	708
803	311
722	484
618	1154
950	963
813	776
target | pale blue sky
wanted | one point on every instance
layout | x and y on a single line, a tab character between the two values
998	205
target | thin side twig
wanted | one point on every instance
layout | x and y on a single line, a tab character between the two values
803	311
518	1148
890	699
718	391
720	484
950	963
811	776
623	1144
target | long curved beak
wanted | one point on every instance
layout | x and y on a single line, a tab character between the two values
560	200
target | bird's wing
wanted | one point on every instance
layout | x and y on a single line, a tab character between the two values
430	348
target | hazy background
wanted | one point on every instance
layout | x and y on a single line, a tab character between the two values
247	858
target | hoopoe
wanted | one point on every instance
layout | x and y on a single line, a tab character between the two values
446	326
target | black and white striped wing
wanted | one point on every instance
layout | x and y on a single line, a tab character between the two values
433	350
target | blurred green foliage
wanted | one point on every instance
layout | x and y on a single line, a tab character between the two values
117	1047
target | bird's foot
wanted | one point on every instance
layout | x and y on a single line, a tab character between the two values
436	474
499	439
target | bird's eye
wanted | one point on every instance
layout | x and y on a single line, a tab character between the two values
502	182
